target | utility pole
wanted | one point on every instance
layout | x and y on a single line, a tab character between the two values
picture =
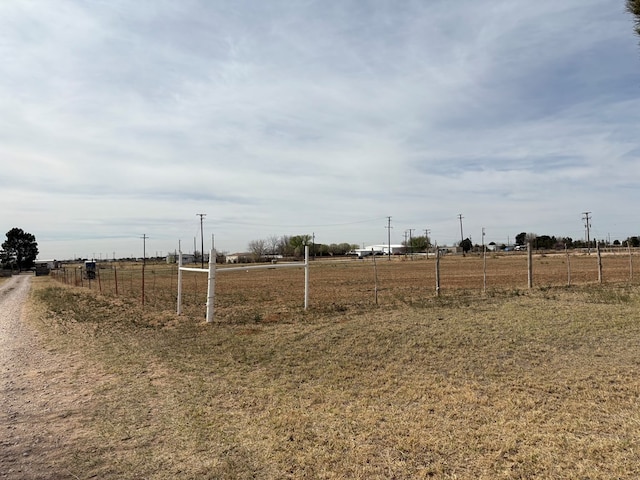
587	225
144	248
426	240
461	234
411	241
144	261
388	227
201	240
405	243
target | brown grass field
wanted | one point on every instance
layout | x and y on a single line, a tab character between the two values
508	384
348	285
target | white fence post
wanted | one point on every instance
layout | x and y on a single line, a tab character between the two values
306	276
211	289
180	283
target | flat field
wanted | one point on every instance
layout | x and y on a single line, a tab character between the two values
350	285
511	384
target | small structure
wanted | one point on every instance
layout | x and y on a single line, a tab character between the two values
43	267
90	270
40	268
379	250
240	257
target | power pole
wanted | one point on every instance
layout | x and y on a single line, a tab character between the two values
201	240
405	243
461	234
144	248
587	225
388	227
411	241
144	261
426	239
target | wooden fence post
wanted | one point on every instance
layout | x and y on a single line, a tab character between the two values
568	265
599	256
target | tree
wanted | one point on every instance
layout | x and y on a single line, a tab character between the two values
418	244
531	238
633	7
298	243
521	238
273	245
20	248
466	245
258	248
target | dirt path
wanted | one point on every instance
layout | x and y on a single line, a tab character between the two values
41	395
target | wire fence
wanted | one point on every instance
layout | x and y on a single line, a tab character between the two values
345	284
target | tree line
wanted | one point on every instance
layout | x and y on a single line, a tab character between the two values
293	246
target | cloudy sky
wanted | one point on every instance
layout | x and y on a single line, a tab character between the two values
127	118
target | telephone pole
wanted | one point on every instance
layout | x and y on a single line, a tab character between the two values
411	241
144	248
201	240
426	240
144	261
587	225
388	227
461	234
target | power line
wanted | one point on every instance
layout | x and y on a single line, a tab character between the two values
253	224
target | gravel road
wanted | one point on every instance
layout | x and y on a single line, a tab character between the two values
40	402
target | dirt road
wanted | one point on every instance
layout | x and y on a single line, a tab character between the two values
41	399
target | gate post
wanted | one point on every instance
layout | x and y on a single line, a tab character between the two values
211	288
179	312
306	276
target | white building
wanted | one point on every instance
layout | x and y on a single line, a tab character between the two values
379	250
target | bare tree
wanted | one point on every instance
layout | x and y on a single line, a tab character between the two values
258	249
273	245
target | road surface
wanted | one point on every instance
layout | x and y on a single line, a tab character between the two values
40	400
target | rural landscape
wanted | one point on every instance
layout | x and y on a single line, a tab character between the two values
360	240
507	382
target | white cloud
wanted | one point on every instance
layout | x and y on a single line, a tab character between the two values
122	118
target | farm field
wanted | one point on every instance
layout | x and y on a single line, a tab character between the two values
512	384
349	285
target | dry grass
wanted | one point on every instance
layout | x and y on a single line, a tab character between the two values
542	384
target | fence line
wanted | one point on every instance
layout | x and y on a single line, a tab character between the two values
338	289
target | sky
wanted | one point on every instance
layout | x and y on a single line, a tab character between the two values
122	120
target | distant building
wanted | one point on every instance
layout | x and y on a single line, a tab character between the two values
186	258
379	250
50	264
240	257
